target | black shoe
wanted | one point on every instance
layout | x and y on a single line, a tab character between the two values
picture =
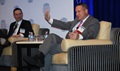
37	60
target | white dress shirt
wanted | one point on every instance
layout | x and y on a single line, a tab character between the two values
16	30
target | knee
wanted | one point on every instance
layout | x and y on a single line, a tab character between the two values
52	34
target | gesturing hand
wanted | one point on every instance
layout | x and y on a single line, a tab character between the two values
73	35
47	15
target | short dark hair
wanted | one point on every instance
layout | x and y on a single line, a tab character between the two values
83	4
17	9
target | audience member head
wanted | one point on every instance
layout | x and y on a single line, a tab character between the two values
18	14
81	11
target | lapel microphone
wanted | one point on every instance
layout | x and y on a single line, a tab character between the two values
77	27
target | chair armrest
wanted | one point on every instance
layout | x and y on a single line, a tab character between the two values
67	43
13	39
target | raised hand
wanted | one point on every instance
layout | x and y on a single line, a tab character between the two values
47	15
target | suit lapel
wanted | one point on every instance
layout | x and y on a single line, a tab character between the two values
74	23
89	19
12	30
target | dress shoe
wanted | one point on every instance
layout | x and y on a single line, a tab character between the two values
37	60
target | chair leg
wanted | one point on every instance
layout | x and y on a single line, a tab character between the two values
13	69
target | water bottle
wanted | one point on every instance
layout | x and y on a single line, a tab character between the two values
30	37
46	34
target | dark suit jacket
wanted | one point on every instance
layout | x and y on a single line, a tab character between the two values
91	25
26	25
3	33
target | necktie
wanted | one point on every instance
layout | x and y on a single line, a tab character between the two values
79	32
15	28
79	24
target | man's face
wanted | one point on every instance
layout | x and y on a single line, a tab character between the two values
18	15
81	12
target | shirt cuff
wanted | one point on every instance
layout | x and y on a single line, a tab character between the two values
51	20
21	35
80	36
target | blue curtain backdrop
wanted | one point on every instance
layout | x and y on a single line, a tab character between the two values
107	10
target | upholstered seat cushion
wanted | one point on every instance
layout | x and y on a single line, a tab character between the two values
60	58
8	50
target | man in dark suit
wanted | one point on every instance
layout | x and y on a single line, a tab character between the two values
21	27
83	27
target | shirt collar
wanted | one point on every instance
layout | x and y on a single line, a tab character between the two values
19	22
85	18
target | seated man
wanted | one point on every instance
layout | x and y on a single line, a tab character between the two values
18	28
21	27
83	27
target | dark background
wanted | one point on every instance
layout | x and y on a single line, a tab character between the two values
103	10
